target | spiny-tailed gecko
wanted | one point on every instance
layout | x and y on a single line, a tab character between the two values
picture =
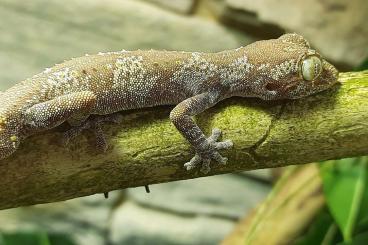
283	68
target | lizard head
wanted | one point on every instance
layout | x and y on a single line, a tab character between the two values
9	130
287	68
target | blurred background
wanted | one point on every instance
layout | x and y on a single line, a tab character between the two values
37	34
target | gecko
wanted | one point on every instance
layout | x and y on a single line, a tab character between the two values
83	90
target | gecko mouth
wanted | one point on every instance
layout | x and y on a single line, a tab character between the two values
283	90
290	86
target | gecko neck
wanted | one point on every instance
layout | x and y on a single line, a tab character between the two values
238	71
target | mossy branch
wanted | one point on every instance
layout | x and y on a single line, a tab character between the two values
146	148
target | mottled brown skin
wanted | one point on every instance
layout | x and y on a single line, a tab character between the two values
283	68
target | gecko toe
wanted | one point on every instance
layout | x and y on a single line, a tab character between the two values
206	166
193	162
189	166
204	157
218	158
216	133
227	144
70	135
101	143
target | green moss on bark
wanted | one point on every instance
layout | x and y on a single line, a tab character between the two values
146	148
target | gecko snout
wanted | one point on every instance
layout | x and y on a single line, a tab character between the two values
330	74
332	69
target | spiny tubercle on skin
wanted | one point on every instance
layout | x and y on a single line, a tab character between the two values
109	82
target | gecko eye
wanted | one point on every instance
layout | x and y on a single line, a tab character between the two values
311	68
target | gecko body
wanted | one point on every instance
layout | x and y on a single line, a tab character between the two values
102	84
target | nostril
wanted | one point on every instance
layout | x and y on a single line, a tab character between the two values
331	68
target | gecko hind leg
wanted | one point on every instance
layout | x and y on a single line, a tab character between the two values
205	157
94	124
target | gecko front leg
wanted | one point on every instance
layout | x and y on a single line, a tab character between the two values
206	148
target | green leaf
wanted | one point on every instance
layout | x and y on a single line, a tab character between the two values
60	239
322	231
360	239
35	238
344	186
363	213
20	238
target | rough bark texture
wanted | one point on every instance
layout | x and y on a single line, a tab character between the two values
146	148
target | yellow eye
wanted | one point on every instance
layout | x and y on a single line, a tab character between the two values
311	68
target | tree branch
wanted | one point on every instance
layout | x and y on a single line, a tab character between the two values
146	148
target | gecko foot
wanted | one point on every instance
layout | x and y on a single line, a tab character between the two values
93	124
210	153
